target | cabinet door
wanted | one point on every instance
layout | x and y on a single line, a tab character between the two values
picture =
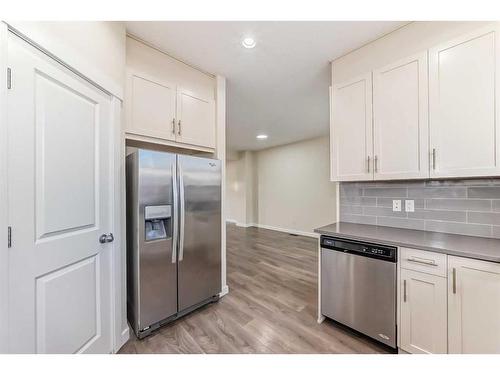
473	306
400	119
464	108
151	107
351	130
423	312
195	119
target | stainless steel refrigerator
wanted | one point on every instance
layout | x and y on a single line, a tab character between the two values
173	236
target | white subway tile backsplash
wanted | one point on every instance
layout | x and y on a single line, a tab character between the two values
470	207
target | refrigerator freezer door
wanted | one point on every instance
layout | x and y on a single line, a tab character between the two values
156	262
199	264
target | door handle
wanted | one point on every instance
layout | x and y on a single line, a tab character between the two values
404	290
433	158
180	129
375	164
175	200
173	126
181	213
106	238
368	164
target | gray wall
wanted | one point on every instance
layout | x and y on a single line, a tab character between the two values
469	207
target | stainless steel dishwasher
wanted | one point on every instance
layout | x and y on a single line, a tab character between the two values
358	286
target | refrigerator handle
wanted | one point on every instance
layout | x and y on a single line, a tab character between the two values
175	202
181	213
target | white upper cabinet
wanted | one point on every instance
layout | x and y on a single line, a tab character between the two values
165	112
473	306
351	130
168	102
151	107
464	107
435	113
400	119
195	119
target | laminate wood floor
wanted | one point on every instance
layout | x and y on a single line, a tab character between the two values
270	308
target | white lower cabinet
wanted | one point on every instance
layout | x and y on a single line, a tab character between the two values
473	306
423	312
457	312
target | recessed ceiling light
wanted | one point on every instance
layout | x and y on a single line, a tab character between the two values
248	42
262	136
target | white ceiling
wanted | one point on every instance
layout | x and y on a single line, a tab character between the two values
279	88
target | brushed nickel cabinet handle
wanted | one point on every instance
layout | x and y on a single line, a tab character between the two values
421	261
180	129
454	279
375	164
368	164
434	158
173	125
404	290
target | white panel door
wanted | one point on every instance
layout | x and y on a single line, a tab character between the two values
59	138
351	130
464	78
400	120
151	106
423	313
473	306
195	119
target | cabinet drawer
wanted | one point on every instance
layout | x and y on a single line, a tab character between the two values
423	261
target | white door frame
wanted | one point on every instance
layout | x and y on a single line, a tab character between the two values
220	120
119	327
119	261
4	276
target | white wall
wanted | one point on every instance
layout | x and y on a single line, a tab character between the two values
285	187
148	60
235	191
96	49
240	189
294	188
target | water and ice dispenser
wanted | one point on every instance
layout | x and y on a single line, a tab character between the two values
157	221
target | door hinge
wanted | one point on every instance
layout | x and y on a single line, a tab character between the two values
9	78
9	237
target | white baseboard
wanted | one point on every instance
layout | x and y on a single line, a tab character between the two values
245	225
224	291
270	227
291	231
238	224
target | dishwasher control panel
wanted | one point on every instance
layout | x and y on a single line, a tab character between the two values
371	250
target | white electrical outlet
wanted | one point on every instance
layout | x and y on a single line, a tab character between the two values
396	205
409	205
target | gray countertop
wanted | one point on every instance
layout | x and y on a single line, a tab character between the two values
451	244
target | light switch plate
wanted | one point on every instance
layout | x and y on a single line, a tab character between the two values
409	205
396	205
